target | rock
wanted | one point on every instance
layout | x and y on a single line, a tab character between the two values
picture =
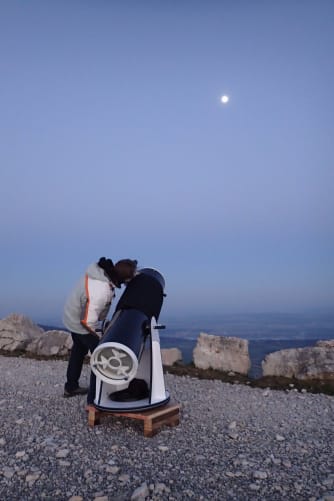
160	488
261	475
301	363
17	331
63	453
20	454
32	477
141	492
170	356
328	343
222	353
51	343
112	469
124	478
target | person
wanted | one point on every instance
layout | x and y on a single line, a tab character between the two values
86	308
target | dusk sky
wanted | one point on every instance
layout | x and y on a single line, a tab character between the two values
114	142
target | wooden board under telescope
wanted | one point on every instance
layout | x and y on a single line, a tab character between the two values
153	419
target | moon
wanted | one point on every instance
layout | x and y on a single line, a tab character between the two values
224	99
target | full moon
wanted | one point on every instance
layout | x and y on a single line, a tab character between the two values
224	99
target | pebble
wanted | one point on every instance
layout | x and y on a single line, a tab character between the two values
62	453
141	492
261	475
232	443
163	448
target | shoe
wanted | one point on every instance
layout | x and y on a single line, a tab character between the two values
74	393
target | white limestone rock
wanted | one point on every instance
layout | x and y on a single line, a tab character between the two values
50	343
222	353
17	331
301	363
328	343
170	356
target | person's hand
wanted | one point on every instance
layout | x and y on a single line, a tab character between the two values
98	333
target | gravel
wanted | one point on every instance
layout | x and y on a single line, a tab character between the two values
233	443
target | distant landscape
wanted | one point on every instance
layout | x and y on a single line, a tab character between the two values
266	333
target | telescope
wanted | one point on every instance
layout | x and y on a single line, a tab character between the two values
127	361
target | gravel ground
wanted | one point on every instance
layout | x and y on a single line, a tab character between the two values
233	443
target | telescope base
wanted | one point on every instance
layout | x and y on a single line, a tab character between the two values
153	419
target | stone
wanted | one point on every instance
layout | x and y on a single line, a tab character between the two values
261	475
20	454
328	343
112	469
51	343
301	363
222	353
124	478
17	331
63	453
32	477
170	356
141	492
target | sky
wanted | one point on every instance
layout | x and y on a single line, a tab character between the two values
114	142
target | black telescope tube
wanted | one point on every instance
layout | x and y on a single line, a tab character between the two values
141	300
128	328
145	293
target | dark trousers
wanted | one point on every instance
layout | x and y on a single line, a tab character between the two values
82	343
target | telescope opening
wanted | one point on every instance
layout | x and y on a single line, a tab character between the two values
113	361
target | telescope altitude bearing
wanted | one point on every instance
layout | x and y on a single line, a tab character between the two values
114	362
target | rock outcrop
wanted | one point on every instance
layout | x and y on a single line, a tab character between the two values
302	363
51	343
328	343
171	356
222	353
19	333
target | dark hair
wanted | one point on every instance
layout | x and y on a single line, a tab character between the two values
126	269
107	265
123	271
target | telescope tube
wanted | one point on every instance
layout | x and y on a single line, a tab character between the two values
116	357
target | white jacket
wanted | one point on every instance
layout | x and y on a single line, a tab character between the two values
89	302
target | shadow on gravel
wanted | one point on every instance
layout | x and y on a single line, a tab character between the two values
273	382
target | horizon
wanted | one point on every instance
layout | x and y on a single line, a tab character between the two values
218	320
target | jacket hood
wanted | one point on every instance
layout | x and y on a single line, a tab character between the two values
95	272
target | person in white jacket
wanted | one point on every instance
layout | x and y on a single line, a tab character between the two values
86	308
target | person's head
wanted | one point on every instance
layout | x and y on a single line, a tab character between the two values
120	273
126	270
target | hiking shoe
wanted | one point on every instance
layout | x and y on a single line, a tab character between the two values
74	393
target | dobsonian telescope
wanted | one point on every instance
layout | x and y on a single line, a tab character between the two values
127	361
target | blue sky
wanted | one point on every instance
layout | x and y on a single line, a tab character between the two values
114	143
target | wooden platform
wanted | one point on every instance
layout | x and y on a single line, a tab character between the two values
153	419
